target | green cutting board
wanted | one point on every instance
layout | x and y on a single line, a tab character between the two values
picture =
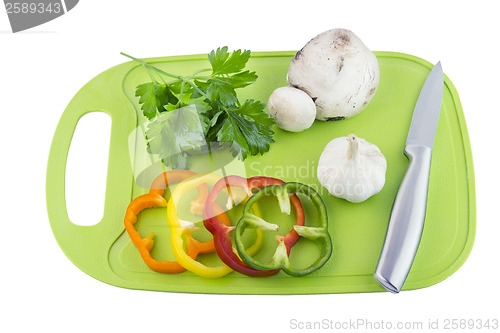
105	252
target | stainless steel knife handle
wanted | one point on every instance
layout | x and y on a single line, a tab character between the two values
406	222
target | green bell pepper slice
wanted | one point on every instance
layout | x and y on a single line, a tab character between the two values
281	260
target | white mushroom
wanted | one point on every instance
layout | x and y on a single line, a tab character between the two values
339	73
292	109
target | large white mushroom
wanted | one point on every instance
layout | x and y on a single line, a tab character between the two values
338	72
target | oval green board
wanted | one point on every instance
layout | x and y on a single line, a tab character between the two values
105	252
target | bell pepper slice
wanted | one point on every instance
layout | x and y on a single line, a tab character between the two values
221	232
177	229
318	233
155	199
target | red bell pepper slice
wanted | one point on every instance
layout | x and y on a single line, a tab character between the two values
221	232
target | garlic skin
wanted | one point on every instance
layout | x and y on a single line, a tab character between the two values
352	168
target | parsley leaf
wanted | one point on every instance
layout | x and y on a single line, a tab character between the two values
153	97
226	75
249	127
240	80
218	90
222	63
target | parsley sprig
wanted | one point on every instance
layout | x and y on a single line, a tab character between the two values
207	109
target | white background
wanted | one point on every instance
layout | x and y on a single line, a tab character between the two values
43	68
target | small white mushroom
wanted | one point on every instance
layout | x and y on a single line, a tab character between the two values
339	73
292	109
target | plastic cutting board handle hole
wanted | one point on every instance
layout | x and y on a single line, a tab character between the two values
86	169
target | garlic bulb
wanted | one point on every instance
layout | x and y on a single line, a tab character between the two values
352	168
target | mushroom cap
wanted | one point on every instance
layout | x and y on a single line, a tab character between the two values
338	72
292	109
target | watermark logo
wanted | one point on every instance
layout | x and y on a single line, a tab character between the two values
26	14
198	155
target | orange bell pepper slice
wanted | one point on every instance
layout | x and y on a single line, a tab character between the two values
155	199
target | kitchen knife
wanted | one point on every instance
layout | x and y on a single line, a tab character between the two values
408	212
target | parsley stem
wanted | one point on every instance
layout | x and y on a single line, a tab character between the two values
201	71
181	93
197	89
163	72
200	77
149	73
151	66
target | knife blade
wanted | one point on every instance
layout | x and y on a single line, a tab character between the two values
407	217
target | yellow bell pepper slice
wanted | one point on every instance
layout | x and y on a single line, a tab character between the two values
179	228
